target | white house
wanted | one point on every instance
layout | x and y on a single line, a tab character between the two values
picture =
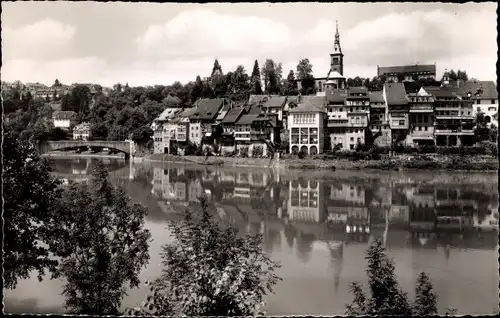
63	119
306	126
81	132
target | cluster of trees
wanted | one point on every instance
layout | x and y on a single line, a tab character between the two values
95	238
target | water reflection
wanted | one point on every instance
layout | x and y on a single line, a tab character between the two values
318	225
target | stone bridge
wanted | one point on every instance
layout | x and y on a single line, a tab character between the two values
127	147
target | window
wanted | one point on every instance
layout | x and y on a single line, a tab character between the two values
491	109
401	122
340	109
425	128
351	146
352	138
478	101
493	101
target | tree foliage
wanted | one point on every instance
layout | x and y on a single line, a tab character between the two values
30	194
255	80
272	74
210	270
386	297
102	243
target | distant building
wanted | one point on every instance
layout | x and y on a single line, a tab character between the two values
407	72
485	99
64	119
81	132
397	109
163	131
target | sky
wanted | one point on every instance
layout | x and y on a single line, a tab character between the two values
153	43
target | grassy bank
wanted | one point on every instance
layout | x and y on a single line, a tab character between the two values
386	162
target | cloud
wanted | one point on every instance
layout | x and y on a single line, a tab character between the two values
40	39
204	32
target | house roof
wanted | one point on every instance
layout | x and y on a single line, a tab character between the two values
406	69
276	101
310	104
336	95
444	91
188	112
256	99
247	119
334	74
233	115
168	113
488	89
290	99
376	97
207	109
357	92
396	94
61	115
55	106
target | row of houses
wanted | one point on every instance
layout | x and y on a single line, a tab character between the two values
231	125
341	119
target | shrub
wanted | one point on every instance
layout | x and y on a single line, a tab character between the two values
244	152
427	149
257	152
387	298
302	154
210	270
190	150
490	148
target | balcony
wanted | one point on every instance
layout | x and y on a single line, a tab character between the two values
181	137
453	131
421	109
338	123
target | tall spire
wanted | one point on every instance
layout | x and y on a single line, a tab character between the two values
336	44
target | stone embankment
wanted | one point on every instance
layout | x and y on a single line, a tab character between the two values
406	162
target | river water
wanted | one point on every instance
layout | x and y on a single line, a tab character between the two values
319	225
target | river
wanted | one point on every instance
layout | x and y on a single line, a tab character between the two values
319	225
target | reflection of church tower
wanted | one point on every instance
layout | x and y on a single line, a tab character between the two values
335	77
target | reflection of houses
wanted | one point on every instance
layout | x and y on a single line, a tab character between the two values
306	201
173	185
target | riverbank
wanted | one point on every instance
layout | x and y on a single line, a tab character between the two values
391	163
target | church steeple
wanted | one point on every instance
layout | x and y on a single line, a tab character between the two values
336	45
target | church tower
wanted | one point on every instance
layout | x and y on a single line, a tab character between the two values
337	57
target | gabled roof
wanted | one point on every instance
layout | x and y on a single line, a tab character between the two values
334	75
357	93
256	99
233	115
376	97
336	95
61	115
488	89
277	101
310	104
290	99
247	119
207	109
188	112
406	69
395	94
168	113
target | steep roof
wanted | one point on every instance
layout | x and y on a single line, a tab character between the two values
188	112
207	109
310	104
256	99
376	97
488	89
233	115
247	119
168	113
396	94
290	99
336	95
358	92
406	69
277	101
61	114
445	91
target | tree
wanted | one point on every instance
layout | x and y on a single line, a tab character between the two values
240	85
102	243
255	79
210	270
387	298
207	91
290	86
305	75
272	73
30	194
357	81
197	89
56	83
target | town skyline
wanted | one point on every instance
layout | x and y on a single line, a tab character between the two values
177	42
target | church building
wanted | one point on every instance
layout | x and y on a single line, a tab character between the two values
335	77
